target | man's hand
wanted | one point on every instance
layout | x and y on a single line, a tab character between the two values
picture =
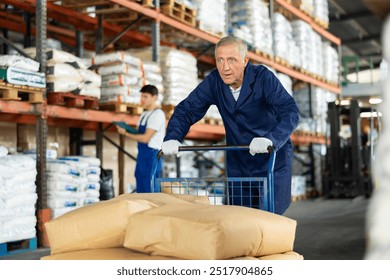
259	145
171	147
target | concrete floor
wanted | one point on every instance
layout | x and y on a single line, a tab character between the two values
327	229
330	229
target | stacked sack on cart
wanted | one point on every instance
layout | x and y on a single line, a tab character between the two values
152	226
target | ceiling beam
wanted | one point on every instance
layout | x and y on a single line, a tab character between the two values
373	37
351	16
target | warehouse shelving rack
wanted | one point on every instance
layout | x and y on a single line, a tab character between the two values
43	115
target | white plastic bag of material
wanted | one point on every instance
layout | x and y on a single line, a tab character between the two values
19	62
3	151
55	202
63	85
90	160
22	199
91	186
63	186
64	71
120	68
15	212
91	91
66	195
119	56
121	80
90	77
7	191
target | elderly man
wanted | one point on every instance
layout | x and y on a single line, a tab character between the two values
256	111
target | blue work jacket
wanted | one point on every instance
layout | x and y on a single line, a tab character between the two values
264	109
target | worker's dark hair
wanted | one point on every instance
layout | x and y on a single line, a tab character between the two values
149	89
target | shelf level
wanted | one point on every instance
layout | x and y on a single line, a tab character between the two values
26	113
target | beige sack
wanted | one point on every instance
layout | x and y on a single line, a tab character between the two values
98	225
194	231
101	224
162	198
105	254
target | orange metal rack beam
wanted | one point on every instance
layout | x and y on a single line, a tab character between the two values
213	39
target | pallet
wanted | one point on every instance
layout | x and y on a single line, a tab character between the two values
298	197
17	247
20	93
179	11
282	61
211	121
72	100
121	107
264	54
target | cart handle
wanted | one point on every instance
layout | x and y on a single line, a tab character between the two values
213	148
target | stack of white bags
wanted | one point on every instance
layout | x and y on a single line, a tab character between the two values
72	182
17	197
122	76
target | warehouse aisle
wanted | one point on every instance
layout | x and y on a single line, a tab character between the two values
330	229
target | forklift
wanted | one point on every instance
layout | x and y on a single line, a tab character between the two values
347	171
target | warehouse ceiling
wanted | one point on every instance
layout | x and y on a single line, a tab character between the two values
359	28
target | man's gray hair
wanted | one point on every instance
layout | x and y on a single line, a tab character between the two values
233	40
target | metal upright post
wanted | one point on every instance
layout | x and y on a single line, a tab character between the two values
156	35
43	213
99	49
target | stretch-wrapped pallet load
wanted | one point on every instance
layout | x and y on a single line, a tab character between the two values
314	114
321	12
284	45
122	76
310	47
306	6
153	76
252	15
179	71
73	182
331	63
20	70
211	15
17	197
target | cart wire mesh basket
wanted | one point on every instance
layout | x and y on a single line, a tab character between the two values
254	192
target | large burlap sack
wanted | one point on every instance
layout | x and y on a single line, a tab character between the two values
195	231
98	225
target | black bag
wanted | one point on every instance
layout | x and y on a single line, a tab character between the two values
106	184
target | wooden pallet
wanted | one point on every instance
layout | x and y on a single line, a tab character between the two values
264	54
72	100
121	107
20	93
17	247
179	11
282	61
210	121
298	197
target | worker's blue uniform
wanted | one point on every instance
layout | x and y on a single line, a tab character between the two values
143	169
263	109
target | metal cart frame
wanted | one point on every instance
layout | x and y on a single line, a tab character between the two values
254	192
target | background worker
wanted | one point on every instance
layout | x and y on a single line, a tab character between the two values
256	111
151	132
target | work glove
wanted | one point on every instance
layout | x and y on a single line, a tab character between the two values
259	145
171	147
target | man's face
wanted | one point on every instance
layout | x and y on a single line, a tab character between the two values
230	65
147	100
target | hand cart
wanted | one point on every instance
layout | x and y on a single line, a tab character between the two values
254	192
